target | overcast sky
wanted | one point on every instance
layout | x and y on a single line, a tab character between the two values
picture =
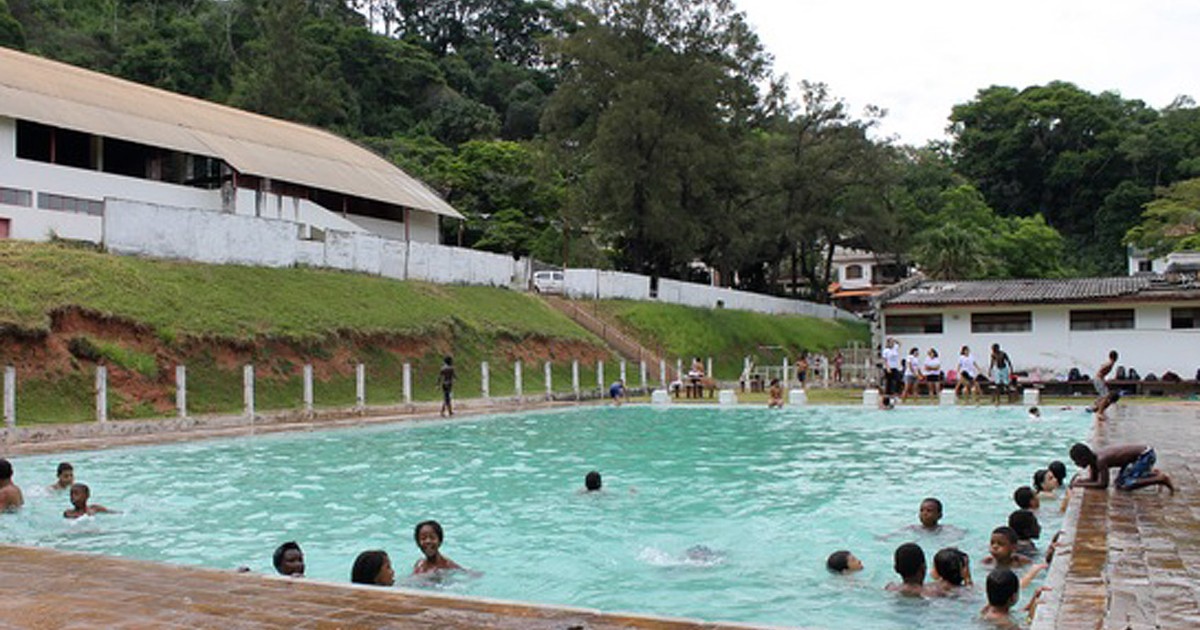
917	58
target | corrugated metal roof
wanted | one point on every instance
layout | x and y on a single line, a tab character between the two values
52	93
1044	291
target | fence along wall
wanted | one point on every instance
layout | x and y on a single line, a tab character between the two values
597	284
132	227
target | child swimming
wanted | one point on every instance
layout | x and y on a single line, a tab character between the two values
289	559
1026	525
1003	548
951	571
429	537
909	564
1026	498
374	568
79	501
843	561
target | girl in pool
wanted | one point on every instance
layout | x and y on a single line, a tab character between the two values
374	568
429	537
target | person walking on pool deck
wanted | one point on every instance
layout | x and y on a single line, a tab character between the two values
1102	373
11	498
1001	368
446	378
1135	460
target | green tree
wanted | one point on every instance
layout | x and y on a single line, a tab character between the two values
12	35
1171	222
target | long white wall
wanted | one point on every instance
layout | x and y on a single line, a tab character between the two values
598	284
133	227
1053	349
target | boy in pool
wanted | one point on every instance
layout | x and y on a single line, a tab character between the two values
951	571
66	478
80	494
1003	589
843	562
429	537
592	482
1026	498
1045	483
289	559
1003	548
11	498
1026	525
909	563
775	394
1136	462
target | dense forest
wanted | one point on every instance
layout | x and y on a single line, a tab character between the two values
655	136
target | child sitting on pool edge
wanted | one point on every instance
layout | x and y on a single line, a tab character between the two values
79	500
843	561
775	395
429	537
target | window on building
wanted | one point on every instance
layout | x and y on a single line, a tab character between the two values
1145	266
1015	321
854	272
33	141
929	324
1108	319
16	197
1185	318
50	201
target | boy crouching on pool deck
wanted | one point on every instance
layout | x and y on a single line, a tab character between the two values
80	494
1135	460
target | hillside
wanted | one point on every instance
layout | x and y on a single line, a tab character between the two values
727	335
65	309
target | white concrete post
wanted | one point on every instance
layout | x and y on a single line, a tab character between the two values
408	383
678	368
308	388
662	372
549	383
181	390
575	377
622	371
101	393
248	390
708	367
10	396
484	385
642	371
517	378
825	371
784	381
745	365
360	386
600	375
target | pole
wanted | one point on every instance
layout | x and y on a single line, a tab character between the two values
308	388
101	394
248	390
408	383
181	390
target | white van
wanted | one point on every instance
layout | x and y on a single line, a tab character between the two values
548	282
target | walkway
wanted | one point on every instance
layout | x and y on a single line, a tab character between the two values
43	588
1135	561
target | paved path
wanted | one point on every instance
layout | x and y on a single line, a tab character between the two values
44	588
1135	561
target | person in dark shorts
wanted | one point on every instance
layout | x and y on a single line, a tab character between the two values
1136	462
616	392
446	379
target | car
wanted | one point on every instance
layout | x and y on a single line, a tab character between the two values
548	282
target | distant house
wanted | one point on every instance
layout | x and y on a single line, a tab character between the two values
1140	262
860	275
1052	326
71	140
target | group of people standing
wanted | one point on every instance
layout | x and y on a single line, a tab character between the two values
904	374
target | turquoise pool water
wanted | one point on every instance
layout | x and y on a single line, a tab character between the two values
771	492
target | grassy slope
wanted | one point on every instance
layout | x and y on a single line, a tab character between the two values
726	335
187	300
177	298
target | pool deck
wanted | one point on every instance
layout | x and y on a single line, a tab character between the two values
47	589
1135	556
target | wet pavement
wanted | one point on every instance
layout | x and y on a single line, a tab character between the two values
1135	557
43	588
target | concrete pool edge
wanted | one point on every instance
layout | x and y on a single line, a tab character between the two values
112	591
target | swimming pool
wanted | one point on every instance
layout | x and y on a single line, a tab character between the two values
771	492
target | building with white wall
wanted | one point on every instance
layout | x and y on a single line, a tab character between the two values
1051	326
860	275
71	140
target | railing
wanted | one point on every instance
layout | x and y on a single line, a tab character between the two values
622	343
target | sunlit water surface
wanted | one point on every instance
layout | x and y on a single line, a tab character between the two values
771	493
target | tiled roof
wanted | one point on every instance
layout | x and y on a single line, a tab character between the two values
932	292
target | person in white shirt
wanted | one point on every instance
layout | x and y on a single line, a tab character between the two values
932	371
912	374
891	366
968	375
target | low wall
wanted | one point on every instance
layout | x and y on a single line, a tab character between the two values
132	227
598	284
